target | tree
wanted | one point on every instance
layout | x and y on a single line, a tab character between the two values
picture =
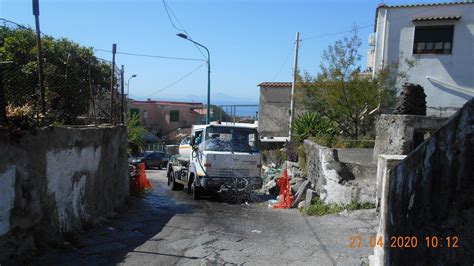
67	78
344	95
135	132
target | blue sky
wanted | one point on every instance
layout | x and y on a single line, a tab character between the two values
249	40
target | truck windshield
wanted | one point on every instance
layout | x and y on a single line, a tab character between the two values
231	139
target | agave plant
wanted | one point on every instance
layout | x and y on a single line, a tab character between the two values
311	124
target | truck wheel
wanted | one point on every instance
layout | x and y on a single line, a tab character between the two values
196	192
190	185
174	185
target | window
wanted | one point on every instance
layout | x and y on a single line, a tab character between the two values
174	116
433	40
185	141
231	139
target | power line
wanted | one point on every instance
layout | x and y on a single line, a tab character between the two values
182	29
109	51
14	23
283	64
178	80
365	26
169	17
336	33
151	56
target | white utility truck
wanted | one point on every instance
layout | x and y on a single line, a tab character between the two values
218	157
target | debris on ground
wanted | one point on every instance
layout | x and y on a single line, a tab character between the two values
299	194
298	184
310	194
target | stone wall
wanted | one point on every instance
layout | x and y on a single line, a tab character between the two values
56	180
430	194
400	134
338	181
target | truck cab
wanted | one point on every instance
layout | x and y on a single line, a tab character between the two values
222	158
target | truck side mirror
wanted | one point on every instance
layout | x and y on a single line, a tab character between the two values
192	141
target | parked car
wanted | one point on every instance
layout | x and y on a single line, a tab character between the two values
132	160
157	159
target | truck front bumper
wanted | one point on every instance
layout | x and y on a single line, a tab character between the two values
231	183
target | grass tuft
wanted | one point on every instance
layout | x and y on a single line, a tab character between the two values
319	208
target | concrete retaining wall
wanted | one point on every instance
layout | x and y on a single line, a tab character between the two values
400	134
336	181
384	166
57	180
430	194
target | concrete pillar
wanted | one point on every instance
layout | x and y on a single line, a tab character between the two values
384	164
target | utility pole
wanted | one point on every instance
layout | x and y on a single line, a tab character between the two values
122	109
208	114
3	100
91	90
112	76
39	55
295	74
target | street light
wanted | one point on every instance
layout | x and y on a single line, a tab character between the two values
208	115
128	84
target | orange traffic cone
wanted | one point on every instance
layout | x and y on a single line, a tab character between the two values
285	197
139	183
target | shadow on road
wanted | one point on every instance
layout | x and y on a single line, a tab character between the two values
110	242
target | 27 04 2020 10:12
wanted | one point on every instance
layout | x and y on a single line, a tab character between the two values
358	241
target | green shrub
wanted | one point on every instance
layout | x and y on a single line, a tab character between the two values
338	142
348	143
311	124
324	140
319	208
280	156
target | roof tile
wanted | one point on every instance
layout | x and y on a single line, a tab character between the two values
275	84
437	18
427	4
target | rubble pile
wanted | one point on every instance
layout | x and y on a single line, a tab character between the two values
298	182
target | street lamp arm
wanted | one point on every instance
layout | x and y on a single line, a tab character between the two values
128	84
207	50
208	113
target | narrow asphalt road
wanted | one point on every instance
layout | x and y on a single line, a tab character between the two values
168	227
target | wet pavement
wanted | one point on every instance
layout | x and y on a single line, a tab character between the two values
168	227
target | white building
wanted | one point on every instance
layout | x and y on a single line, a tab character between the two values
439	38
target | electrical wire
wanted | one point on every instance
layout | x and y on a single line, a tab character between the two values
109	51
365	26
282	65
182	29
178	80
169	17
14	23
151	56
336	33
